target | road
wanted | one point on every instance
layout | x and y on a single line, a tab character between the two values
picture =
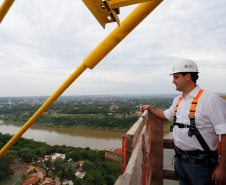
19	171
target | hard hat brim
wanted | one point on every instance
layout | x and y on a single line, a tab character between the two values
183	72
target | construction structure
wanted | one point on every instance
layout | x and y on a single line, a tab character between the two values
144	141
142	156
105	47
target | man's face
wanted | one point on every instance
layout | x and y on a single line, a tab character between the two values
179	81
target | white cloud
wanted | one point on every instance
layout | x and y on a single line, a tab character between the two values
43	42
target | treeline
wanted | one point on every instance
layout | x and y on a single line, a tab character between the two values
90	121
82	121
69	109
83	105
96	112
99	170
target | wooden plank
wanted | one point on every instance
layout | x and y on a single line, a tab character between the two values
133	173
144	145
133	134
145	166
169	174
156	150
168	144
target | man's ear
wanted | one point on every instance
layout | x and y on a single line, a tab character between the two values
188	76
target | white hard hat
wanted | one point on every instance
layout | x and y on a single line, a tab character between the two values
185	65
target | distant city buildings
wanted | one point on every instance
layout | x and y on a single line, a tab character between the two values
114	107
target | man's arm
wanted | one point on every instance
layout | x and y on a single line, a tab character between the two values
220	173
157	112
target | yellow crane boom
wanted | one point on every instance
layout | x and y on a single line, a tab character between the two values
112	40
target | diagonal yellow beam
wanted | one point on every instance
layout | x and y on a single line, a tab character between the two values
44	107
5	8
120	3
113	39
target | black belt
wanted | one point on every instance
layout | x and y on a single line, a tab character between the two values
197	152
180	125
208	160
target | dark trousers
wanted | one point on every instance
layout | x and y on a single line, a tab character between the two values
192	174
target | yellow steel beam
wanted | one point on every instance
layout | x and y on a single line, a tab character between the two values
120	3
101	11
44	107
119	33
5	8
105	11
114	38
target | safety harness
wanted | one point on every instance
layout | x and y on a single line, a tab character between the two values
212	156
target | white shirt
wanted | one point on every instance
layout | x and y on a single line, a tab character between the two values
210	119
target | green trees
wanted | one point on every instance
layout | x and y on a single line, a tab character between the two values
88	165
69	170
99	170
75	156
83	111
103	174
25	154
90	121
5	170
64	169
58	164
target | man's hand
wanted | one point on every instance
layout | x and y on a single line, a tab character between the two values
145	107
157	112
220	173
220	176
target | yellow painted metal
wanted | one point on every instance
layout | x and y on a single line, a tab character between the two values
44	107
119	33
102	12
5	8
114	38
120	3
113	12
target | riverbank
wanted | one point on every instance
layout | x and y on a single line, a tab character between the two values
165	129
96	122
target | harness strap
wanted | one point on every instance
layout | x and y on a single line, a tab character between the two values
195	131
181	125
192	127
194	103
175	111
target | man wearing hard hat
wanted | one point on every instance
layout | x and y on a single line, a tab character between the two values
199	118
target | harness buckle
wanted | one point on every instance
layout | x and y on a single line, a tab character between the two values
184	159
211	162
191	116
186	126
171	127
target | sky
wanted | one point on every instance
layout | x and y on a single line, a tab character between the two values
43	42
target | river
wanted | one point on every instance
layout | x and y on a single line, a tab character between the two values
94	139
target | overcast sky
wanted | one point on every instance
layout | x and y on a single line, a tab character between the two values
42	42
